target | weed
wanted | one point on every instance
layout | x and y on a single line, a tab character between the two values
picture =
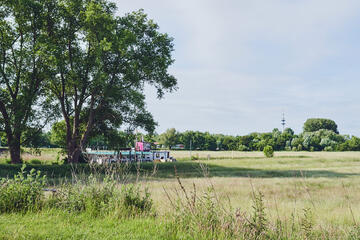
22	193
258	221
134	203
307	223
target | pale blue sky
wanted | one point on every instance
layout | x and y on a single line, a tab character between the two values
241	64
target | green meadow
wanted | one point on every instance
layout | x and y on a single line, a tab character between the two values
222	195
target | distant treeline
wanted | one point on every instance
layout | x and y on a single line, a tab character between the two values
318	135
321	140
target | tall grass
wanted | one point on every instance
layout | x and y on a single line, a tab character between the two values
91	195
203	215
194	213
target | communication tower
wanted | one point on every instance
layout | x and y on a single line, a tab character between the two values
283	122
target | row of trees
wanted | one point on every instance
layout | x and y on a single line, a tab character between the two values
77	60
318	135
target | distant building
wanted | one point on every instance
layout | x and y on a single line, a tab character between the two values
178	147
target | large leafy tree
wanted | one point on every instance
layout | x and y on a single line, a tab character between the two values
100	64
315	124
22	70
169	138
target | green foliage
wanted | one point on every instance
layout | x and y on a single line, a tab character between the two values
58	134
195	157
199	217
320	140
268	151
134	203
93	198
101	63
97	208
315	124
33	138
243	148
352	144
103	198
35	161
23	73
169	138
258	218
22	193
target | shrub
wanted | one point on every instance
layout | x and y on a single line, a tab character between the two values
8	161
69	198
35	161
102	198
135	204
268	151
23	193
195	157
92	197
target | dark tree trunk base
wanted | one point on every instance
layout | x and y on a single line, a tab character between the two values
15	153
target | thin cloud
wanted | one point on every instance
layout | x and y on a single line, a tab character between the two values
240	64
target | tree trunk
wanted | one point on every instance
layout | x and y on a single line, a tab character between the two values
73	151
75	143
14	147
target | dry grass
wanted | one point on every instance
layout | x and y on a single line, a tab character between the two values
332	196
238	154
330	185
46	155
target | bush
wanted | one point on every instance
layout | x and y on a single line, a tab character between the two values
195	157
92	197
134	203
102	198
35	161
23	193
268	151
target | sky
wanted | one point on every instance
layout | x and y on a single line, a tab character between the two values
241	64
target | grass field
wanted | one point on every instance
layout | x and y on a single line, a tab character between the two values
327	182
320	186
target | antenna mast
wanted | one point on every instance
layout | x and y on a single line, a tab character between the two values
283	122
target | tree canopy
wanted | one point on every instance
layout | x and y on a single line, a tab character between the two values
169	138
100	65
315	124
77	59
23	71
